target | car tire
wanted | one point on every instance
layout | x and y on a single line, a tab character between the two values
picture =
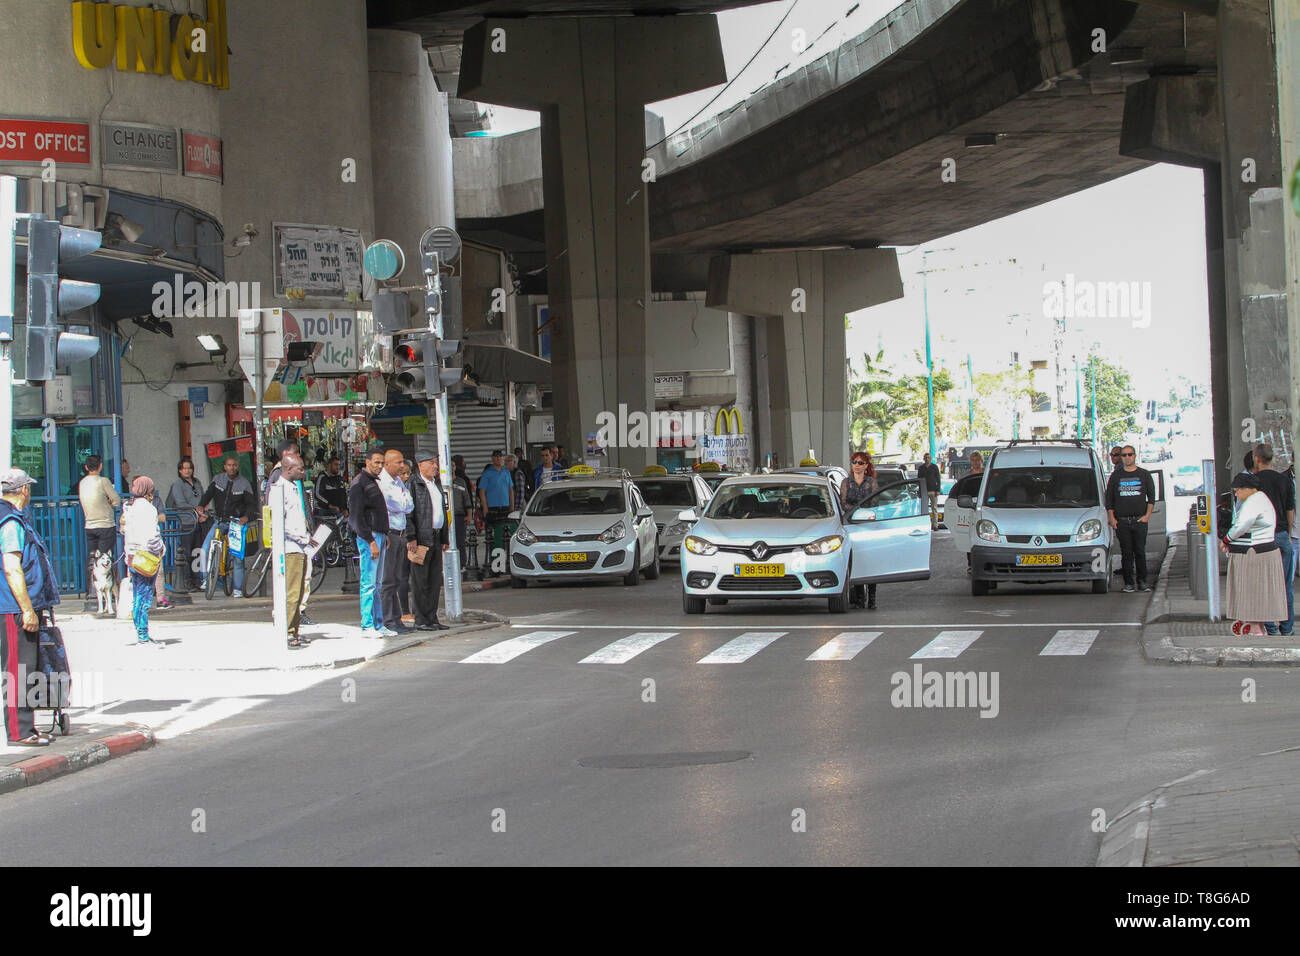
518	582
633	577
652	569
692	605
978	588
717	601
839	604
1102	586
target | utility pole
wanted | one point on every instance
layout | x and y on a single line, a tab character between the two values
970	401
1092	385
1078	402
929	364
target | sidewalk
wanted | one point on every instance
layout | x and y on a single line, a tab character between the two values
1177	628
1244	815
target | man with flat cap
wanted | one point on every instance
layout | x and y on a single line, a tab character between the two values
427	527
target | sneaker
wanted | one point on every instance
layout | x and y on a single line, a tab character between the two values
304	619
386	632
370	632
237	593
1129	589
1143	586
164	605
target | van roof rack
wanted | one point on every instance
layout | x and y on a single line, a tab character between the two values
1077	442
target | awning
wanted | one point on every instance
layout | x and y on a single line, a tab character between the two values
498	364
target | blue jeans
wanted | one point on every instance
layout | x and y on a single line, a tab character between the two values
231	560
1283	540
372	576
142	595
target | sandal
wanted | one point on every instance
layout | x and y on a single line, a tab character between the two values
36	739
295	642
304	641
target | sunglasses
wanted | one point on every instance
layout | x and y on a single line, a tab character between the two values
859	461
1129	454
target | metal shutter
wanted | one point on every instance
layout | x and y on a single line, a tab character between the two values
477	430
389	433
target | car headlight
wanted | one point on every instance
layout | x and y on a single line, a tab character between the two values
699	546
826	545
1089	529
614	532
678	527
987	530
525	537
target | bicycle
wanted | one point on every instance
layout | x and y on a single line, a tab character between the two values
339	549
255	568
220	563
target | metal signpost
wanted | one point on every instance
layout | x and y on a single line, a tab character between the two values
437	245
1212	543
8	224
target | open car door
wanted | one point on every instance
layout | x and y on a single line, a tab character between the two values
890	535
958	519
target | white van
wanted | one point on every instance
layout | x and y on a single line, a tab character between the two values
1039	517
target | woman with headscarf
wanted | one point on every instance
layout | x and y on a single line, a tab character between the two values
184	497
1256	591
856	488
140	533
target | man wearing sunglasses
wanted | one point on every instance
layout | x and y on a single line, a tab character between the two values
1116	458
1130	499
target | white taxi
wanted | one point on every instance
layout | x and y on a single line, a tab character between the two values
668	496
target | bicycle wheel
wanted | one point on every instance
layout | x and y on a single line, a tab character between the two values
214	566
332	552
255	572
228	579
318	569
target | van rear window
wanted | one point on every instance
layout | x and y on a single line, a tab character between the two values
1041	487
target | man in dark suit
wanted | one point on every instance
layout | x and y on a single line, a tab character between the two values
427	526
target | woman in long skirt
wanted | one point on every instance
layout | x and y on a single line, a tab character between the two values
1256	591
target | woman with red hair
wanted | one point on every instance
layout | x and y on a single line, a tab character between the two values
856	488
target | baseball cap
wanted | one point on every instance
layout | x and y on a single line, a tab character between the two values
497	452
14	479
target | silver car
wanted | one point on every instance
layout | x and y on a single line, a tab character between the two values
584	525
668	496
778	536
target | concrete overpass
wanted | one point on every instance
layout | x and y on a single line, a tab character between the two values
850	151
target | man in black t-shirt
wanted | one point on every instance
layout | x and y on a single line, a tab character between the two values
929	473
1281	492
1130	499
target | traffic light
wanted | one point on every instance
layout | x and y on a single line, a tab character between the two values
48	297
419	365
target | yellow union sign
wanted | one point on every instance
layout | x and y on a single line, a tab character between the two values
144	40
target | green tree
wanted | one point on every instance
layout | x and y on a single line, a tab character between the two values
883	400
1117	409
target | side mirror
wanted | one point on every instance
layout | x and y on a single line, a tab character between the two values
687	515
965	501
515	515
864	514
644	513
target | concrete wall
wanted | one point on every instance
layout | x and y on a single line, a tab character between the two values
40	77
498	175
688	337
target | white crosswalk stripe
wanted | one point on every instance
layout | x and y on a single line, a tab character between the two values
740	649
626	648
844	647
508	650
948	644
1069	643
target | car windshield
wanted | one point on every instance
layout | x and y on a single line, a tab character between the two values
558	500
665	491
795	500
713	479
1044	486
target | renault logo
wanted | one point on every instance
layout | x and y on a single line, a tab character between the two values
1038	540
759	550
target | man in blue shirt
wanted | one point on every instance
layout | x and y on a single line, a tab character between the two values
496	495
27	587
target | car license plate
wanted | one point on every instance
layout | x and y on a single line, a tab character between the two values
1023	559
760	570
570	557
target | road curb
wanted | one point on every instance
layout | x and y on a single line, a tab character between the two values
1158	646
48	766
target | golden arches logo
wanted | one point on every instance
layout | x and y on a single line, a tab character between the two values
731	417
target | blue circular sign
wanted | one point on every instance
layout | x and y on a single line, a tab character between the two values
383	259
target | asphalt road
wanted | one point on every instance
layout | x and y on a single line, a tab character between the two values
541	757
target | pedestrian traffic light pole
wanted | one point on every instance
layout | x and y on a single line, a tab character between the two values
8	224
433	307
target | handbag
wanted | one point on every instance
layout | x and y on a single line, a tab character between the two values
147	560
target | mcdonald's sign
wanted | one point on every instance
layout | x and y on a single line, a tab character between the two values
728	417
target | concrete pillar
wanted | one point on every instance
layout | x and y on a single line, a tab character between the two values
590	79
1257	348
804	297
1286	26
410	145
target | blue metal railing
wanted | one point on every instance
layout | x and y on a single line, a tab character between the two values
60	523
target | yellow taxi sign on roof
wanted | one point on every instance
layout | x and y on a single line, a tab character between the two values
582	470
655	470
708	466
808	463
